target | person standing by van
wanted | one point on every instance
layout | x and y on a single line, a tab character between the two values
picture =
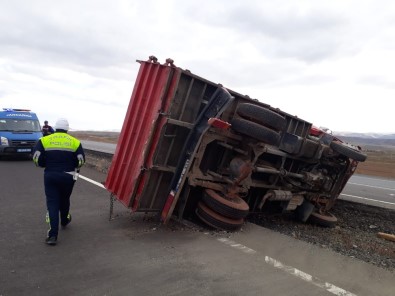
47	129
62	156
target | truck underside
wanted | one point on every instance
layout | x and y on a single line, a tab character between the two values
214	153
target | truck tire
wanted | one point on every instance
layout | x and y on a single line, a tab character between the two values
256	131
234	208
327	220
348	151
262	116
215	220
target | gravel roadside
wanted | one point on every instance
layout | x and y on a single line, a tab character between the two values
355	234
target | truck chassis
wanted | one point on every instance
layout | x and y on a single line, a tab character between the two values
191	147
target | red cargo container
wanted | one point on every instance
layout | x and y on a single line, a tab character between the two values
176	149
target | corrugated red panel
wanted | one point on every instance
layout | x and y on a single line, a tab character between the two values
140	132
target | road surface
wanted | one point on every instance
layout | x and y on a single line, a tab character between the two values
370	190
134	255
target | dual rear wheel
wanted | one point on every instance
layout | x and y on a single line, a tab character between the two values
222	211
259	123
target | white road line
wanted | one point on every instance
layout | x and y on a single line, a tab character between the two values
308	278
291	270
237	246
370	199
371	186
92	181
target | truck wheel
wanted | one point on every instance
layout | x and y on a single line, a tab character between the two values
327	220
262	116
348	151
215	220
234	207
256	131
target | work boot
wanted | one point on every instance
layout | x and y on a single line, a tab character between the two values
64	224
51	240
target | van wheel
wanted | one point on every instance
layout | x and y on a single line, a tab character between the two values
348	151
262	116
327	220
215	220
231	207
256	131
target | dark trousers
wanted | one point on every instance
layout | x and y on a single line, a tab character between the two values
58	189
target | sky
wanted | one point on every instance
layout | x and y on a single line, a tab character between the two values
331	63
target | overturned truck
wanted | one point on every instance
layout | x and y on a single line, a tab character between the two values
190	147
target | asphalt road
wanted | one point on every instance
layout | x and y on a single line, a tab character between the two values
99	146
134	255
370	190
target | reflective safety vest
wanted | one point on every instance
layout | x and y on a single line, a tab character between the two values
60	141
59	152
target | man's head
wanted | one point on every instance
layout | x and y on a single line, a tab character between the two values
46	122
62	124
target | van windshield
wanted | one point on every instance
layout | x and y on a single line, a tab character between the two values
19	125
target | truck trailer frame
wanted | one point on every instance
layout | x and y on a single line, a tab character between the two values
189	146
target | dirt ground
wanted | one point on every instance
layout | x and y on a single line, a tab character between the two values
105	137
356	232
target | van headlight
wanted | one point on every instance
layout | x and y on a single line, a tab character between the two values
4	141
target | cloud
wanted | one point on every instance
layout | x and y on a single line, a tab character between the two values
380	81
57	33
280	31
81	55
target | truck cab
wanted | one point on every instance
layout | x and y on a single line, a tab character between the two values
19	132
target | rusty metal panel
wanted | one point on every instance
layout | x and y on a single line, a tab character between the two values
188	99
140	132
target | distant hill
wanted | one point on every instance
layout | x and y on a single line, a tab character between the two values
365	135
368	140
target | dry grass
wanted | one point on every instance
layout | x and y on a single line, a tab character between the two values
380	163
105	137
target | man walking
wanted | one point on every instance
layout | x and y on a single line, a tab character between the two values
62	156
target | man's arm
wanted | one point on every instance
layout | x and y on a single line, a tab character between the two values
80	156
39	155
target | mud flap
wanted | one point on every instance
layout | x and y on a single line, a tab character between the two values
304	211
219	101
